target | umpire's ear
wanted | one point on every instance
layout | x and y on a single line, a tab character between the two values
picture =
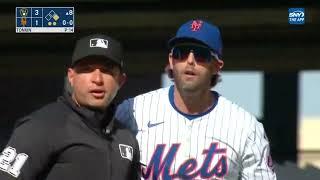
122	79
67	86
70	75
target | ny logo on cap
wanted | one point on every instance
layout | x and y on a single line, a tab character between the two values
126	151
98	42
196	25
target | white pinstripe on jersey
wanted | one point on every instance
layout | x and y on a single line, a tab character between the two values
226	142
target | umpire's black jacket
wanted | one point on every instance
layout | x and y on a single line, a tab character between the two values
62	141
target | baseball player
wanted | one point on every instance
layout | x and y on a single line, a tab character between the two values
188	131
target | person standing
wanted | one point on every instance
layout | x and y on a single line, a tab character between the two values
189	131
77	137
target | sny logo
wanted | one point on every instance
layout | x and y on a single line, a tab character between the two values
296	15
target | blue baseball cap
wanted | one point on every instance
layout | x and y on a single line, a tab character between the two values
199	31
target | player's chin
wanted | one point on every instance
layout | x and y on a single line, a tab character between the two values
189	86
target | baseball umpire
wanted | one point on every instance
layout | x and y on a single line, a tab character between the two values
77	137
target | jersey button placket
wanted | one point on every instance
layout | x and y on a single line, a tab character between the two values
188	144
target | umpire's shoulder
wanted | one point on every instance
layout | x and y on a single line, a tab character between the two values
125	134
47	115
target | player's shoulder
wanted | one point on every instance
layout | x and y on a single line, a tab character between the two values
154	93
228	106
158	93
148	99
249	123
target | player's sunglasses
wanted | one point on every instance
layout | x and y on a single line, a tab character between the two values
201	54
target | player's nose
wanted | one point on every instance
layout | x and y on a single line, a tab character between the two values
191	59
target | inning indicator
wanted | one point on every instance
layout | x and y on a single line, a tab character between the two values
44	19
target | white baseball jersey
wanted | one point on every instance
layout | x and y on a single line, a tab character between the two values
226	142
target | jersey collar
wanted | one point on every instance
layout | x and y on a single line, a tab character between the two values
192	116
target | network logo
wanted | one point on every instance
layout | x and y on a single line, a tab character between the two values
296	15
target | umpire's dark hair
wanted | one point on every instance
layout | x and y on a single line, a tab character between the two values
215	79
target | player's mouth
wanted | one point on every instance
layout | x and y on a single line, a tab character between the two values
98	93
190	73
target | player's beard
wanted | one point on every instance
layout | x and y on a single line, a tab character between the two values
196	84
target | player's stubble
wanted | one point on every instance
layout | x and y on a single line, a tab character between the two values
192	84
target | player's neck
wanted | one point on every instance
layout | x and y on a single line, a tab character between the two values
193	103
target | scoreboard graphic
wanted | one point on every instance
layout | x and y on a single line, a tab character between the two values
44	19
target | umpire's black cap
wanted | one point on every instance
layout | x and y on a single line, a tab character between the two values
98	45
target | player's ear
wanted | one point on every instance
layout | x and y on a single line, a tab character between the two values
71	74
170	60
220	64
217	66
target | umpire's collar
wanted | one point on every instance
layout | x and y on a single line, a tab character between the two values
99	121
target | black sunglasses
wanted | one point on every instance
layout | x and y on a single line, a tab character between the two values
201	54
